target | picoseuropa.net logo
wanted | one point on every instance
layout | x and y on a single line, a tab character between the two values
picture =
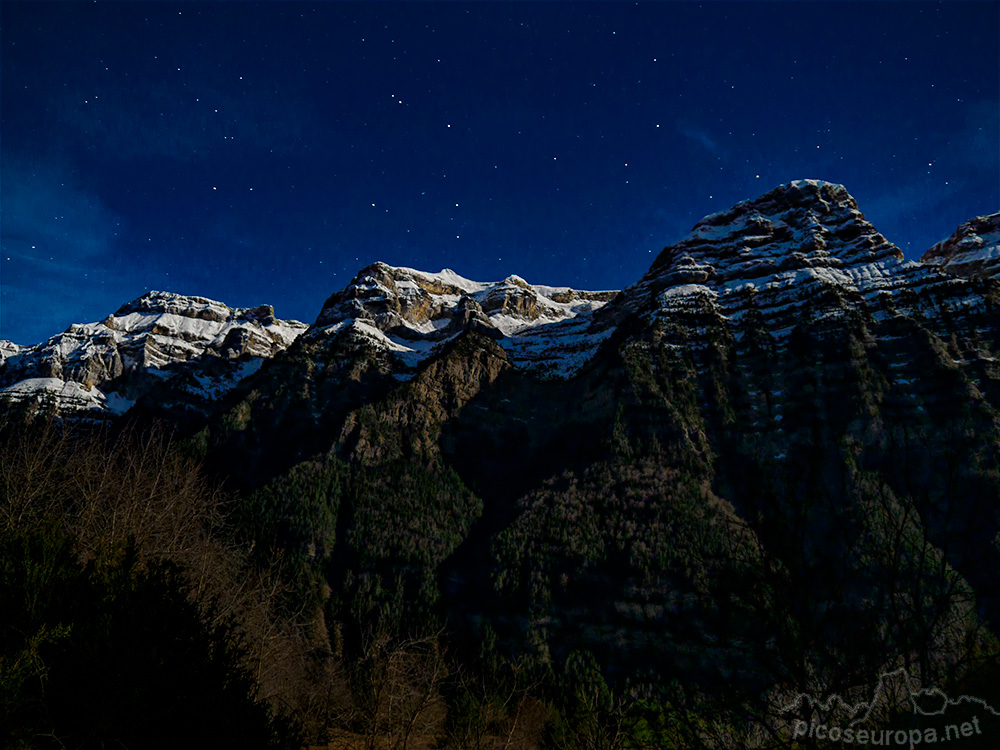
885	737
838	722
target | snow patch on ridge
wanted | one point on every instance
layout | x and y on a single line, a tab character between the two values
410	314
9	349
65	395
973	250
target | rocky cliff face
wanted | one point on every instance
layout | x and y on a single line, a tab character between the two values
96	369
778	255
387	354
973	250
791	311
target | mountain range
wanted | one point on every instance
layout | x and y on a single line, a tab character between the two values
767	468
772	254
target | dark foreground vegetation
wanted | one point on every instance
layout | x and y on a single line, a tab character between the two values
143	606
129	616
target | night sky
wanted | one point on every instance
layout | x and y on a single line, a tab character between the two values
265	152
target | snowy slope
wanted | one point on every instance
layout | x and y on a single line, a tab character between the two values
412	313
779	254
973	250
65	396
106	366
8	349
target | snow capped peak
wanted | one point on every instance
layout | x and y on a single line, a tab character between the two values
169	302
416	309
798	243
144	342
197	308
810	191
446	277
424	302
803	224
973	250
515	280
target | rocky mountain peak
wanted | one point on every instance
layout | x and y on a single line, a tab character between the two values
973	250
803	224
396	298
160	303
194	308
417	304
107	365
817	195
803	248
412	313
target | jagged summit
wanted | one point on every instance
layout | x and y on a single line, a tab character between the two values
973	250
136	347
781	254
176	327
180	304
411	312
803	224
201	308
418	304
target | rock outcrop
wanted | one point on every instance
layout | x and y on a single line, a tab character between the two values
973	250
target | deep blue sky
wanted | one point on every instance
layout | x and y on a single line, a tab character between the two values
264	152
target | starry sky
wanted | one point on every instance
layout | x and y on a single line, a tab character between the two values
263	153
